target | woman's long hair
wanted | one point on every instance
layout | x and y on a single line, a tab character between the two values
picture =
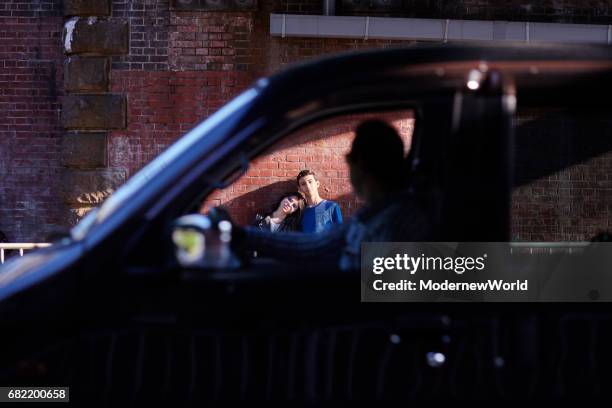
291	221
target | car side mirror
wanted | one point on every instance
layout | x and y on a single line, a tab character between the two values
199	243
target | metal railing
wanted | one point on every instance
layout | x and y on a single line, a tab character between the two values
21	247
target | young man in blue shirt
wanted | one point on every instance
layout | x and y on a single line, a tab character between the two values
319	215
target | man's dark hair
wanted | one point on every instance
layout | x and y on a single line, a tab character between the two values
303	174
379	150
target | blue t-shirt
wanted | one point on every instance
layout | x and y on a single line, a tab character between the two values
321	217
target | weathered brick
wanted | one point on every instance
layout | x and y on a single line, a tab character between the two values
30	86
75	214
84	149
94	112
92	36
87	7
86	74
215	5
90	187
161	109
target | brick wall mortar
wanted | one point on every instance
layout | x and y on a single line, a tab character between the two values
30	101
551	11
31	9
149	23
182	66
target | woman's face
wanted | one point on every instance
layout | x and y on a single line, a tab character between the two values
289	205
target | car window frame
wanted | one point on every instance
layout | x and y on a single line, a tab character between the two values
320	116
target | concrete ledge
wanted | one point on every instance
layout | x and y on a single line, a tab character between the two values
84	149
86	74
87	7
95	112
294	25
81	188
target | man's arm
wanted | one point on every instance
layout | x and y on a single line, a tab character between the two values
337	214
291	246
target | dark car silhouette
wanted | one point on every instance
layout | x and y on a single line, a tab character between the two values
111	313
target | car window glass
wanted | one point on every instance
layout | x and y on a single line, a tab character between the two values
139	181
320	147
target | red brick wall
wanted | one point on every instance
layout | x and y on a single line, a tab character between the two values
30	91
572	205
180	68
149	23
575	203
213	56
213	42
163	105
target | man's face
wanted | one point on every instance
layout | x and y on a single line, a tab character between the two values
309	186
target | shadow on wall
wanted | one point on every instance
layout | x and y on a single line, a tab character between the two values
243	208
551	145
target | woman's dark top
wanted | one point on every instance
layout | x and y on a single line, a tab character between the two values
264	224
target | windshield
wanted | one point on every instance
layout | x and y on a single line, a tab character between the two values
153	169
